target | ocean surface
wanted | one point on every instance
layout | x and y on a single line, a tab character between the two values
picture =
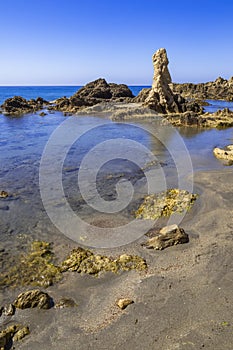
23	141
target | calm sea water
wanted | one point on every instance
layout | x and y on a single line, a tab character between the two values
23	139
49	93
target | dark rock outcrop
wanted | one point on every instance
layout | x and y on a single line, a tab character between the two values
160	97
95	92
18	105
220	89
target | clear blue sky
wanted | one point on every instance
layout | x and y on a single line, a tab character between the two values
71	42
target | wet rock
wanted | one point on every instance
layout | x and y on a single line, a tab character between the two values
33	298
93	93
161	98
7	310
166	203
18	105
65	302
225	153
21	333
123	303
13	332
220	89
85	261
36	268
4	194
166	237
43	114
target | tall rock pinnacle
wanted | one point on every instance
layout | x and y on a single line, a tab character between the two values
161	97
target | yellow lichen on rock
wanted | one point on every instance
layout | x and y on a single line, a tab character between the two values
166	203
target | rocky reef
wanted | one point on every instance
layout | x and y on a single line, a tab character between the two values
166	203
95	92
18	105
160	97
220	89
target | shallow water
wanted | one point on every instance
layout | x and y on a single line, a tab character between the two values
158	159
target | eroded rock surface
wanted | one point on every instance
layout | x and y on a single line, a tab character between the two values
85	261
18	105
166	237
166	203
220	89
161	98
13	332
224	153
95	92
33	298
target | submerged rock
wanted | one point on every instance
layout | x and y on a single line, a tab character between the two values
33	298
4	194
36	268
225	153
220	89
161	98
166	203
166	237
85	261
13	332
18	105
123	303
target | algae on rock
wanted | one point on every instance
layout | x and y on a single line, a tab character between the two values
35	268
166	203
85	261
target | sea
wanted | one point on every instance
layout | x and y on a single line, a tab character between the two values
104	167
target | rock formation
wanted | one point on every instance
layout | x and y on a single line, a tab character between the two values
220	89
161	98
166	237
225	153
93	93
18	105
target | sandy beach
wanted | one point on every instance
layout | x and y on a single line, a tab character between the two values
183	301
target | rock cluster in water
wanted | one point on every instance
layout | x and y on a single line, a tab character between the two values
220	89
224	153
18	105
95	92
160	97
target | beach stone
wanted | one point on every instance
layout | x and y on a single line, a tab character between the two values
13	332
4	194
123	303
65	302
33	298
7	310
224	153
161	98
166	237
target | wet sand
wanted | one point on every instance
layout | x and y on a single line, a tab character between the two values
183	301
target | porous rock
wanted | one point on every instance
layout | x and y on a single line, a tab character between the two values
33	298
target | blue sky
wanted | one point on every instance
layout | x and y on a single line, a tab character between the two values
71	42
